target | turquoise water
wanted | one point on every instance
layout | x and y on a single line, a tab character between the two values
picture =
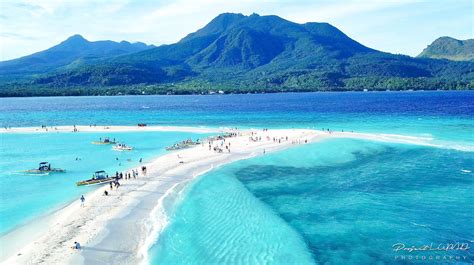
343	202
334	202
25	196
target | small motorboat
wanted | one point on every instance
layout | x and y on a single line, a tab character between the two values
106	141
99	177
44	168
122	147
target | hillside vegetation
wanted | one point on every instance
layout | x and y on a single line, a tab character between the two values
247	54
451	49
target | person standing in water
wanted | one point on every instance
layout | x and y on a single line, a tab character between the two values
82	200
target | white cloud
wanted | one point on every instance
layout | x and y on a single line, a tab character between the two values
330	11
39	24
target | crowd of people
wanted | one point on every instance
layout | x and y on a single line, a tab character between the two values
128	175
219	144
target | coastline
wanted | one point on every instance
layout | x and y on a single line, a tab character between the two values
100	225
121	227
277	91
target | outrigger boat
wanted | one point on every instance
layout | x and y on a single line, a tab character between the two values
99	177
106	141
44	168
122	147
183	145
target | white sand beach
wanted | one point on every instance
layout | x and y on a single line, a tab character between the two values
119	228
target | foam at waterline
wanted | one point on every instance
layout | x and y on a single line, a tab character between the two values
425	140
159	217
157	221
227	224
392	138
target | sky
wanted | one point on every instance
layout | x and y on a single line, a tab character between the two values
396	26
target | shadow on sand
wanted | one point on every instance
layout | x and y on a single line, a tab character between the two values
105	250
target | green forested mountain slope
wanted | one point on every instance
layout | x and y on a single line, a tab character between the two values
240	54
68	54
451	49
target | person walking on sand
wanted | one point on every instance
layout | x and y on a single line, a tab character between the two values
82	200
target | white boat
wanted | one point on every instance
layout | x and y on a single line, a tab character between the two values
122	147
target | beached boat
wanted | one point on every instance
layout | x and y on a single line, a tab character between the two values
122	147
106	141
44	168
99	177
221	137
183	145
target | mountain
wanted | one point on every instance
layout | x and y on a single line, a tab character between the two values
450	48
240	54
74	50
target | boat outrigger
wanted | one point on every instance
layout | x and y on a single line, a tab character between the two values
99	177
44	168
122	147
183	145
106	141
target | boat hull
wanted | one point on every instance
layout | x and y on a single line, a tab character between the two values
44	172
181	146
103	143
94	182
122	149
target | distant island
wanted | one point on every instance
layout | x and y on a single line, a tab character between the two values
236	54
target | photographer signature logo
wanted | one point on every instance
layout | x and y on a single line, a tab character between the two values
432	247
444	252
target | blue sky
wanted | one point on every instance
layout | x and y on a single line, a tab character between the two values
402	26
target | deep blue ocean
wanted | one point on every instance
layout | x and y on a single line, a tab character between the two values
335	202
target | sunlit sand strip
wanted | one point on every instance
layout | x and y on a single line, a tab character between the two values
381	137
119	229
116	229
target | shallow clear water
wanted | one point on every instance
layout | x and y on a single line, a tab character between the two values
343	202
24	196
335	202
